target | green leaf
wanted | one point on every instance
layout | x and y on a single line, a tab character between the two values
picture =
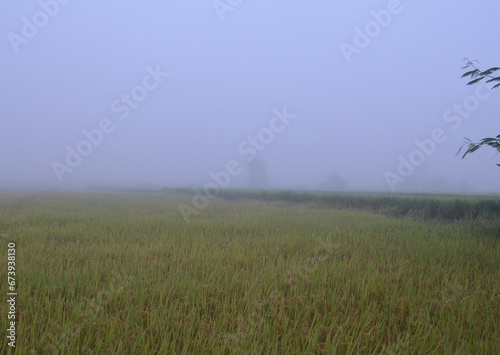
473	148
472	73
475	81
489	71
493	79
488	140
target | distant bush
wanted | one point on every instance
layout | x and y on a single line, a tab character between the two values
419	206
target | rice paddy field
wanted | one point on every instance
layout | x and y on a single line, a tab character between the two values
251	273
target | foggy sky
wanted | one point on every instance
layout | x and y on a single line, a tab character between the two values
362	80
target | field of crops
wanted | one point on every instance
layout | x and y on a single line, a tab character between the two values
251	273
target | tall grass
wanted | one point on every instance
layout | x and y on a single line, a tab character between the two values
123	273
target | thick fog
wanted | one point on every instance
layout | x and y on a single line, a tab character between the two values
267	94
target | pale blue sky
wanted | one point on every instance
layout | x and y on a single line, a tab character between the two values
225	79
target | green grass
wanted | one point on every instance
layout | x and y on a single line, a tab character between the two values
123	273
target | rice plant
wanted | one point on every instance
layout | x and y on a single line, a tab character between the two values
261	272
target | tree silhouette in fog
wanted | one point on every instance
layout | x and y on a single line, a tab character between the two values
335	182
257	177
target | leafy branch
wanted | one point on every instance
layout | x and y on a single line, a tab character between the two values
473	146
477	74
